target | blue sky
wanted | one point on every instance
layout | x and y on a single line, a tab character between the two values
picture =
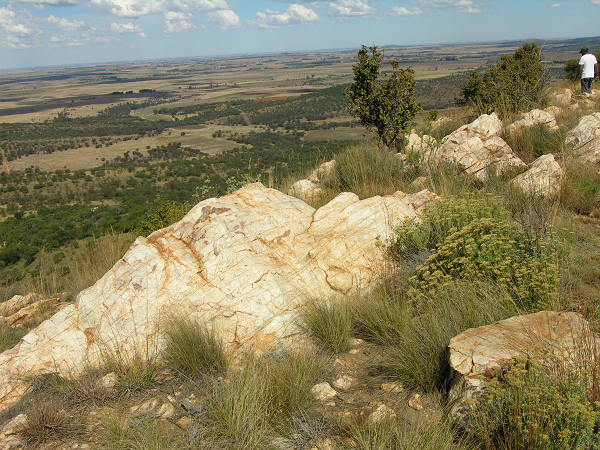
37	33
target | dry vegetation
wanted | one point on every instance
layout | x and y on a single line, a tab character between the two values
194	396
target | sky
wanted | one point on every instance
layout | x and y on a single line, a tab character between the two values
38	33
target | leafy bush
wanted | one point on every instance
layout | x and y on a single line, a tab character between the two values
475	240
384	104
533	407
515	84
165	213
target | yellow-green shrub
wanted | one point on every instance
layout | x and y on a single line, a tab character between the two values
532	407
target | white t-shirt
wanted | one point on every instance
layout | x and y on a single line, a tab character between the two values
587	61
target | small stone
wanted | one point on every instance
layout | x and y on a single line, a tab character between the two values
355	351
354	343
394	387
338	362
183	422
323	392
144	408
190	407
345	382
166	411
415	402
15	425
281	443
382	412
322	444
109	381
172	399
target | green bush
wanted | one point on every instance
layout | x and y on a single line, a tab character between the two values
532	407
165	213
535	141
515	84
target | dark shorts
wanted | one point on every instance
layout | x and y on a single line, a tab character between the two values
586	85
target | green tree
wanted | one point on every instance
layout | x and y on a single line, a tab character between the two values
515	84
382	102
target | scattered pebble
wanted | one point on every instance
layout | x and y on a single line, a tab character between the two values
415	402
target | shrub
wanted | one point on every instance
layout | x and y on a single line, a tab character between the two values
384	104
515	84
193	349
50	421
330	323
531	406
165	213
497	251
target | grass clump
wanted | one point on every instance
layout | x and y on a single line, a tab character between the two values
367	171
330	323
533	407
291	377
49	421
9	337
193	349
393	434
135	371
419	349
580	190
535	141
239	412
127	434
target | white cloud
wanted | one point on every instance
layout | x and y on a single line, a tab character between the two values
64	24
138	8
295	14
555	5
350	8
21	25
176	15
402	11
42	3
178	26
465	6
125	28
226	19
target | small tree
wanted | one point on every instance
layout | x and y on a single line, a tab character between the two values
515	84
384	103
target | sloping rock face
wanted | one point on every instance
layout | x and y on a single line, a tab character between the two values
542	179
485	352
564	97
420	144
583	141
242	263
475	148
532	118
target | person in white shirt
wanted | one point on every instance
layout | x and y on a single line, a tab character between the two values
588	70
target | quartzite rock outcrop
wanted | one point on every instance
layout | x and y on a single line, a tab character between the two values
485	352
542	179
475	148
583	141
535	117
242	263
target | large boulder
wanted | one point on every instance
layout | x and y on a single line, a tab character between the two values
243	264
532	118
476	148
542	179
583	141
479	354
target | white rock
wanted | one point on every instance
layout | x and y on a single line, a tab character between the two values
345	382
323	392
415	402
244	264
15	425
542	179
381	413
109	381
394	387
583	141
475	148
534	117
